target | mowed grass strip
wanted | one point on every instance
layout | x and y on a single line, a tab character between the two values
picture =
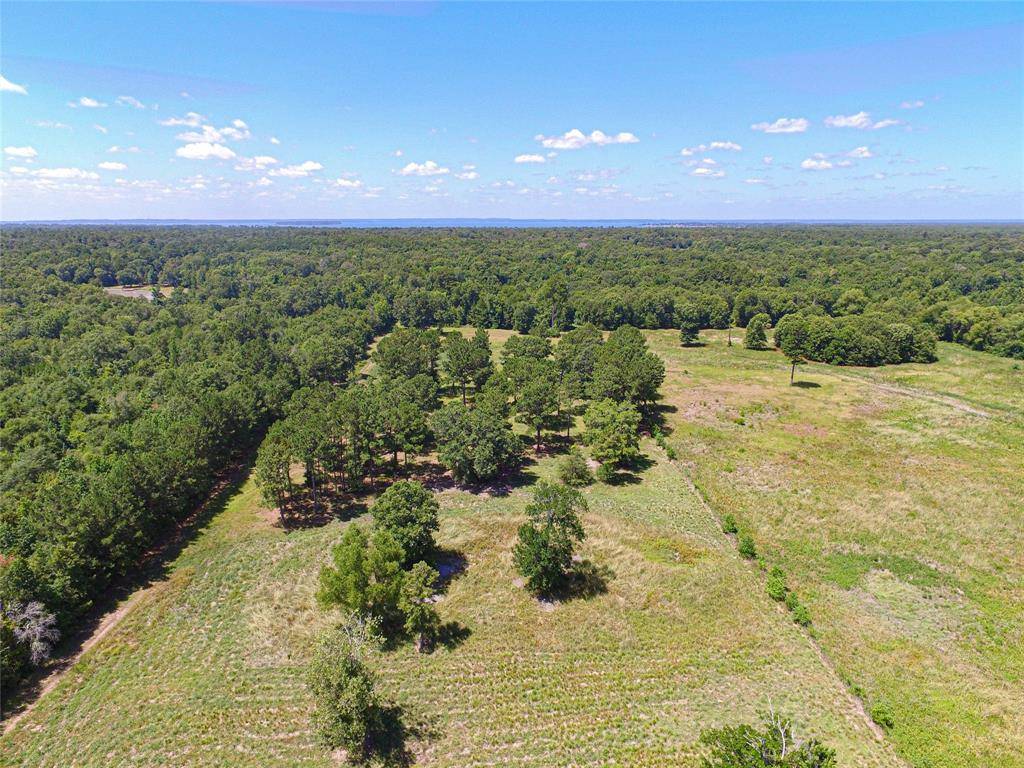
207	670
897	516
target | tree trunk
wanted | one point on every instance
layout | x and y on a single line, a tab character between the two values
792	373
537	446
463	393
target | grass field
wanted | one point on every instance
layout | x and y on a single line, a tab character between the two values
891	497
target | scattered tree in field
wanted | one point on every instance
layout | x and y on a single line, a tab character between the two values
774	745
543	554
421	619
366	576
612	432
408	511
575	356
477	443
537	398
791	335
408	352
573	470
466	361
625	370
348	712
689	317
756	338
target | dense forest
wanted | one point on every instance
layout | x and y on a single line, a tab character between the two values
118	414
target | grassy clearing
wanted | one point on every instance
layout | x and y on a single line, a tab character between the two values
896	513
893	516
206	669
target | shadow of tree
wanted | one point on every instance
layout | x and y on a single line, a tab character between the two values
452	634
585	579
806	384
388	741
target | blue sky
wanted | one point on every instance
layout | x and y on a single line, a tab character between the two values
310	110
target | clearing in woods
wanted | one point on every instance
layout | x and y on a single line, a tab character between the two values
894	512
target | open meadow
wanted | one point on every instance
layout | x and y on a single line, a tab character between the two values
890	497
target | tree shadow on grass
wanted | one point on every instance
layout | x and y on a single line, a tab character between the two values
452	634
806	384
586	579
389	741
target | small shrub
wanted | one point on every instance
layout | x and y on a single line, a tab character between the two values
605	473
801	615
671	453
882	714
747	548
573	470
348	713
729	524
777	589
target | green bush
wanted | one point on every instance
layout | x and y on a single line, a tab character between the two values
800	613
882	714
605	473
729	524
777	589
573	470
347	713
543	554
747	548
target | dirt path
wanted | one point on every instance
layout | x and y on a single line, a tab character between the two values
150	575
48	682
855	702
911	392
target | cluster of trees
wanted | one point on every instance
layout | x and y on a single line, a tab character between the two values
384	577
865	340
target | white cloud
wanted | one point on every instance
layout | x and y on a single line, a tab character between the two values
860	152
101	128
467	175
129	101
886	123
755	181
707	173
111	166
783	125
116	149
530	159
7	86
429	168
344	183
817	163
274	140
257	163
50	124
861	121
768	159
204	150
25	152
915	104
297	171
87	102
191	119
237	131
64	173
263	182
397	153
576	139
207	133
731	146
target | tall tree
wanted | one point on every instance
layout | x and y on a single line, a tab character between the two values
543	554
